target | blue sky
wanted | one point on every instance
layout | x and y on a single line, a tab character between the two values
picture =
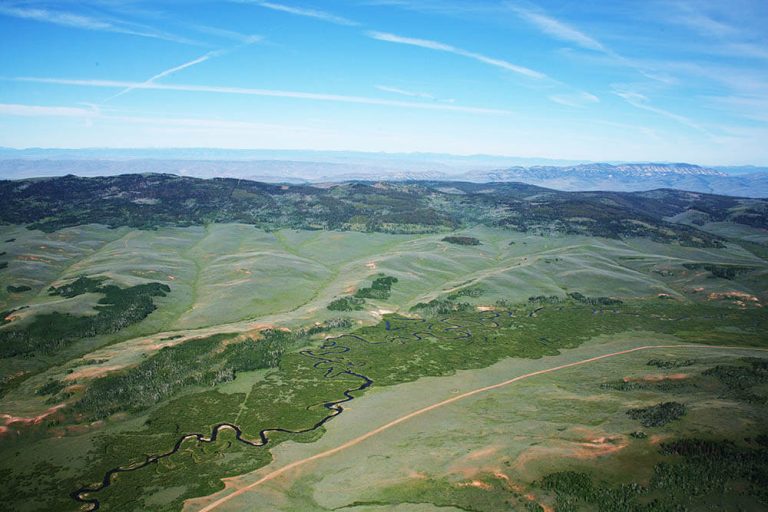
590	79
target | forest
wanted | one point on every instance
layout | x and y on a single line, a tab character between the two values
150	201
49	332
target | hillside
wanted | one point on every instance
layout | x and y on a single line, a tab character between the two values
162	333
152	200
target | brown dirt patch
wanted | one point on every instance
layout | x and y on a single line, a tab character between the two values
483	453
585	445
477	484
29	257
32	420
740	298
90	372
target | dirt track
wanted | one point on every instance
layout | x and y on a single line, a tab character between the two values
276	473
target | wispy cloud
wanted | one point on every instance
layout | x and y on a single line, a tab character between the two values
748	107
576	99
403	92
15	109
443	47
226	34
702	23
272	93
750	50
733	37
94	114
307	13
67	19
456	8
413	94
564	32
559	30
57	18
744	80
642	102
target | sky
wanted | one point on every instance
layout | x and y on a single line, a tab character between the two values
643	80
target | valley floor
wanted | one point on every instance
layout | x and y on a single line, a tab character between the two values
477	377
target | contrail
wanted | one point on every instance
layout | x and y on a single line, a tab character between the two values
176	69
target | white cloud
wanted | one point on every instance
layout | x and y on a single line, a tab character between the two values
750	50
703	24
226	34
413	94
564	32
443	47
736	37
272	93
642	102
403	92
558	29
14	109
71	20
57	18
94	114
748	107
307	13
576	99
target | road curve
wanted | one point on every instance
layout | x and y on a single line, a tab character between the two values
276	473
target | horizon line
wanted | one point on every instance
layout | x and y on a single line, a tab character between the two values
565	161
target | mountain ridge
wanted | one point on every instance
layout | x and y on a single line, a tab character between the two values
149	201
619	177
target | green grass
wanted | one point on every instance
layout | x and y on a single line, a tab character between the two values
231	273
227	278
540	444
291	396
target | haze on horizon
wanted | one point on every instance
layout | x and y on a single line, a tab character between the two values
651	80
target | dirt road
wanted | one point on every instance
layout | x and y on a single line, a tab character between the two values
280	471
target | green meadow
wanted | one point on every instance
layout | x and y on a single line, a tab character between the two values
562	441
243	336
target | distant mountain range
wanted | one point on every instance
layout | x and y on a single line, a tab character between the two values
329	166
631	178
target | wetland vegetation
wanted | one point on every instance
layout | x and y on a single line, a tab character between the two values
395	351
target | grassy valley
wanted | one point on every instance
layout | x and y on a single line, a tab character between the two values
160	334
